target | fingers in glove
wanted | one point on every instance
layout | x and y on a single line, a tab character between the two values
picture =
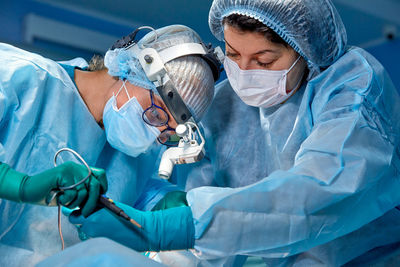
76	217
67	197
100	175
93	197
81	196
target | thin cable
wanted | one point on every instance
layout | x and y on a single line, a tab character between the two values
141	46
68	187
59	227
81	159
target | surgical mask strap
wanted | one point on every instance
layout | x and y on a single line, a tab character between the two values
291	67
301	77
126	90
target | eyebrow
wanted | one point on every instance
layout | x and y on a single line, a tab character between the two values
257	53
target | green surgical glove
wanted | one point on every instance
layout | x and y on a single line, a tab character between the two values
169	229
171	200
37	189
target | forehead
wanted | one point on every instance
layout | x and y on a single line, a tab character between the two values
249	42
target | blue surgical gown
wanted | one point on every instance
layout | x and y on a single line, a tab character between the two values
98	252
41	111
312	181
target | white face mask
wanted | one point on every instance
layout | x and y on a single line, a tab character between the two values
259	88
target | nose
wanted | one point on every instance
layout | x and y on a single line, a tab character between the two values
243	63
162	128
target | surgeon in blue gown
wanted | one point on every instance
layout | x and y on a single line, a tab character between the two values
302	163
98	112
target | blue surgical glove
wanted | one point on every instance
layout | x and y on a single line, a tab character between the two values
172	199
169	229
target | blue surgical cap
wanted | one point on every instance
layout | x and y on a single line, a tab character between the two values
120	63
313	28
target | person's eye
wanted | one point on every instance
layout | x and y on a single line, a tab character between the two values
154	113
263	64
232	55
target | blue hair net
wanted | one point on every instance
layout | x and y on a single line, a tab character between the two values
313	28
120	63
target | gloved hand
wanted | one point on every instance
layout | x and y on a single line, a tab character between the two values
171	200
37	189
169	229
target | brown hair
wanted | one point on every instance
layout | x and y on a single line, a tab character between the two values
248	24
96	63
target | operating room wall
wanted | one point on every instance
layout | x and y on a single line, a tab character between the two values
63	29
15	29
75	18
388	54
